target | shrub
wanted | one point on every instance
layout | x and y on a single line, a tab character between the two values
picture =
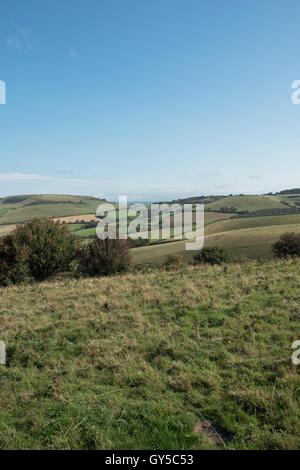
50	247
287	245
213	255
135	243
173	262
13	267
104	257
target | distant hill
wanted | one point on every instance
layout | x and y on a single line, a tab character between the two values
19	208
290	191
245	203
16	209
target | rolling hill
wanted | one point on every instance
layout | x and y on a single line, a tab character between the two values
248	203
251	222
245	203
246	237
254	242
18	209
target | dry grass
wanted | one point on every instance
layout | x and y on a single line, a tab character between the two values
253	243
6	229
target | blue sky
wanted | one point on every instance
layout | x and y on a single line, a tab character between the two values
150	98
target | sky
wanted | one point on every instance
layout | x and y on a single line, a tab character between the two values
153	99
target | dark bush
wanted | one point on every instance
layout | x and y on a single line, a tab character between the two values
50	247
91	224
213	255
15	199
173	262
104	257
13	268
287	245
267	212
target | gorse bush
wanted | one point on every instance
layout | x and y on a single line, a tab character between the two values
173	262
213	255
13	266
42	248
104	257
287	245
49	247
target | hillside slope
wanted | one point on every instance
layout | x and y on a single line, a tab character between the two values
252	222
248	203
117	363
16	209
254	242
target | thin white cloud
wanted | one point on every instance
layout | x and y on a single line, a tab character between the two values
19	177
19	40
35	177
13	43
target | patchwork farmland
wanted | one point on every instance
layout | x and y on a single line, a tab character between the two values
230	221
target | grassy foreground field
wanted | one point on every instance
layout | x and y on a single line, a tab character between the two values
136	361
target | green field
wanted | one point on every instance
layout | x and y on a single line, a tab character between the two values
48	206
210	217
136	361
291	199
248	203
18	209
2	210
244	243
252	243
86	232
245	202
75	227
247	237
252	222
